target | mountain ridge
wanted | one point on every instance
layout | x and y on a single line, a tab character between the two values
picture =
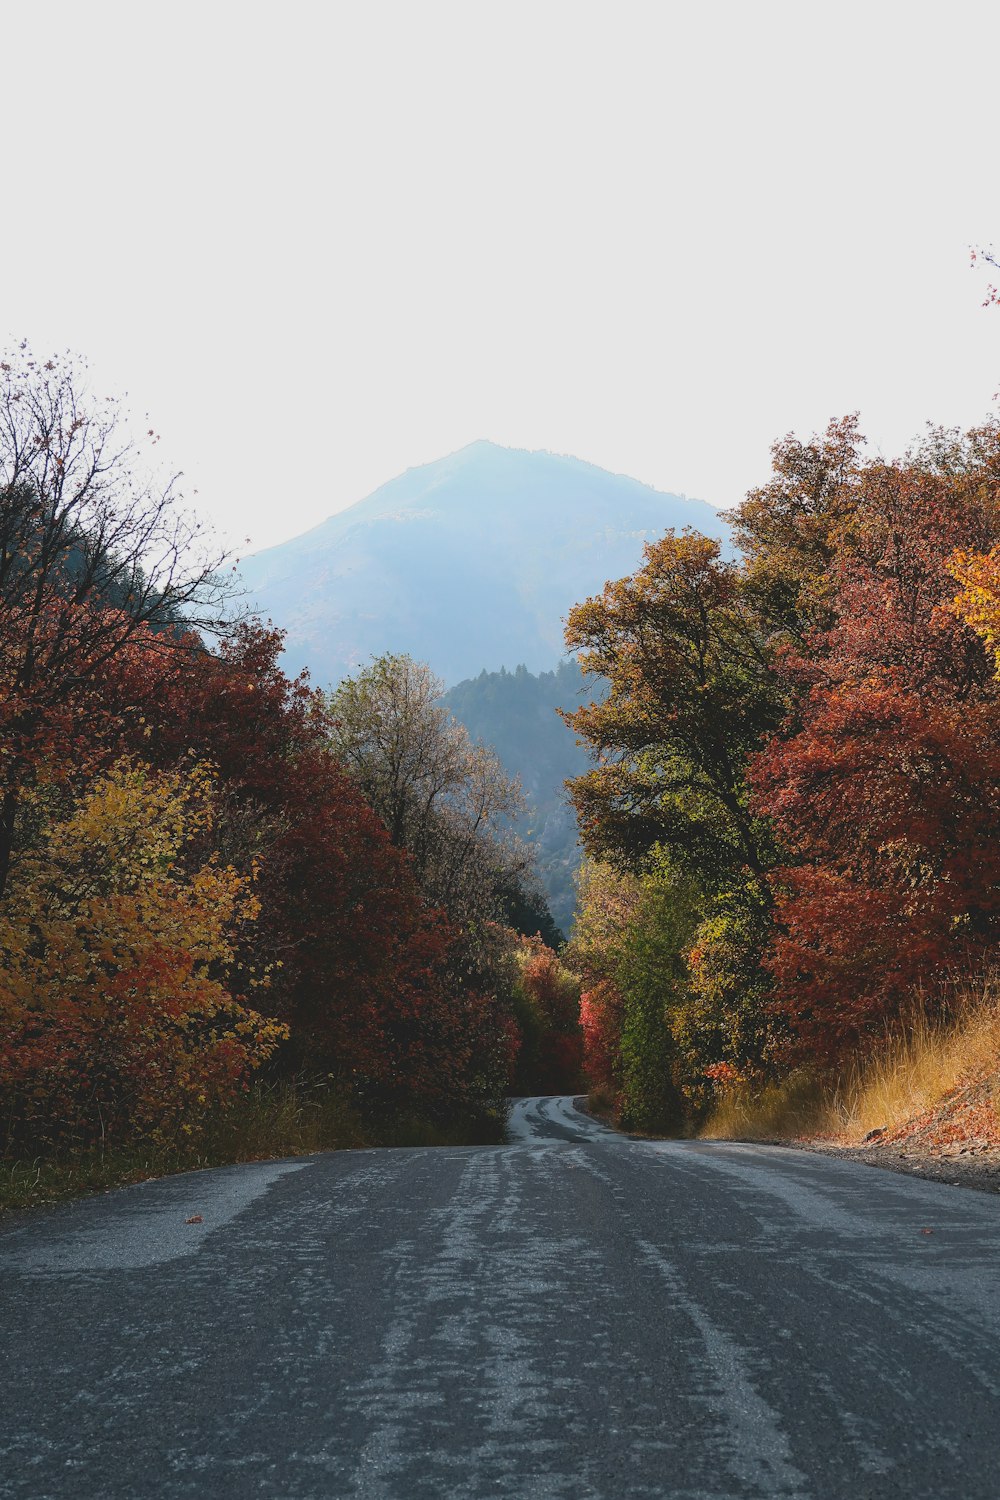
470	562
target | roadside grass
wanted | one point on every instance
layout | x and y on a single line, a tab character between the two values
276	1119
920	1070
796	1107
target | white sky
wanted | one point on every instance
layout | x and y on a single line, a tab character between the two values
319	243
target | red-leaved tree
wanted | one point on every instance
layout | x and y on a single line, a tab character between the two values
359	968
885	789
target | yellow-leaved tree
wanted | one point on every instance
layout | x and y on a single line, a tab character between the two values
978	604
118	1015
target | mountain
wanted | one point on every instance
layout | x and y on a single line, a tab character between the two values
468	563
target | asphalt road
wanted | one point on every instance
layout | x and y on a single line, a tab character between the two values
574	1316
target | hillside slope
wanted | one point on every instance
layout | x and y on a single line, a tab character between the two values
468	563
515	712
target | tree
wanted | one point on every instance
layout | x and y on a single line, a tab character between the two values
547	1012
443	799
695	690
628	947
692	693
373	984
883	789
790	530
606	903
978	602
121	1010
93	556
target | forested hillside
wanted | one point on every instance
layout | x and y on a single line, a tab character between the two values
518	714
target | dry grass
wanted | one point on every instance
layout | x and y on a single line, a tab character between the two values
286	1118
789	1110
271	1120
927	1068
937	1075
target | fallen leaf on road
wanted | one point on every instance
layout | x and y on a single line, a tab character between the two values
197	1219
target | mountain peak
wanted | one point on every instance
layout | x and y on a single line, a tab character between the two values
469	562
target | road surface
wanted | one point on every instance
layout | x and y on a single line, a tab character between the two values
574	1316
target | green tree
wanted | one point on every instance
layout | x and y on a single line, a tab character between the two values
629	947
692	692
695	690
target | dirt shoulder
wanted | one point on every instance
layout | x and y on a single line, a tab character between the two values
958	1142
964	1166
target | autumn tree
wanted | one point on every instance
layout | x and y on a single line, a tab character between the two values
882	789
124	1011
547	1011
978	601
606	902
368	978
94	554
790	530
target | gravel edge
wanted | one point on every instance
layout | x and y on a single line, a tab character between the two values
978	1170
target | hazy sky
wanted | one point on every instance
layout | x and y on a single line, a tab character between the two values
319	243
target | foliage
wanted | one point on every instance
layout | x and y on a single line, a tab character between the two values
651	974
883	793
377	988
723	1026
547	1012
691	694
118	1014
517	714
601	1024
694	689
978	602
790	530
629	946
93	555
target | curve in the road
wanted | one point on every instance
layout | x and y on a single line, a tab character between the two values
553	1117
